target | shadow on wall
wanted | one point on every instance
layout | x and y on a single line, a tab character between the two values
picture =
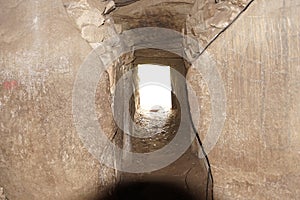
147	191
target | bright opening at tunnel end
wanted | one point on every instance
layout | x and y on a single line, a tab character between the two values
154	87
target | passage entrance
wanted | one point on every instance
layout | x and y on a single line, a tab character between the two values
154	87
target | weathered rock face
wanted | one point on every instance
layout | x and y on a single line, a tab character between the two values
257	155
162	13
2	195
43	43
91	19
41	156
207	19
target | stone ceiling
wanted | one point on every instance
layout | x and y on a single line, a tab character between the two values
163	13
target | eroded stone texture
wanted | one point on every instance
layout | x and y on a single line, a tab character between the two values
2	195
44	42
93	33
92	19
41	155
207	18
201	90
161	13
257	155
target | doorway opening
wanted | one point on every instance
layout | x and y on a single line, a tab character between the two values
155	90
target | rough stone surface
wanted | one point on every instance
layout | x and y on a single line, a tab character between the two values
41	155
162	13
257	155
90	19
93	33
109	7
41	48
2	195
207	18
201	90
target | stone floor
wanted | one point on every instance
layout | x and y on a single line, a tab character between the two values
188	173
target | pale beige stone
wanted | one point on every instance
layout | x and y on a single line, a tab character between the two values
109	7
2	195
90	17
118	28
257	154
41	154
92	33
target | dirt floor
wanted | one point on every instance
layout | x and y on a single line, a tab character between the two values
188	173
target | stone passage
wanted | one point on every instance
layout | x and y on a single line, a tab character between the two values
158	126
252	46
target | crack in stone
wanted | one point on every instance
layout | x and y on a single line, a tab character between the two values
224	29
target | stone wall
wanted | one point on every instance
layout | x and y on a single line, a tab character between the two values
257	154
43	43
41	155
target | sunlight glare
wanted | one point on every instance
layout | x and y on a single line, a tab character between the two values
154	86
